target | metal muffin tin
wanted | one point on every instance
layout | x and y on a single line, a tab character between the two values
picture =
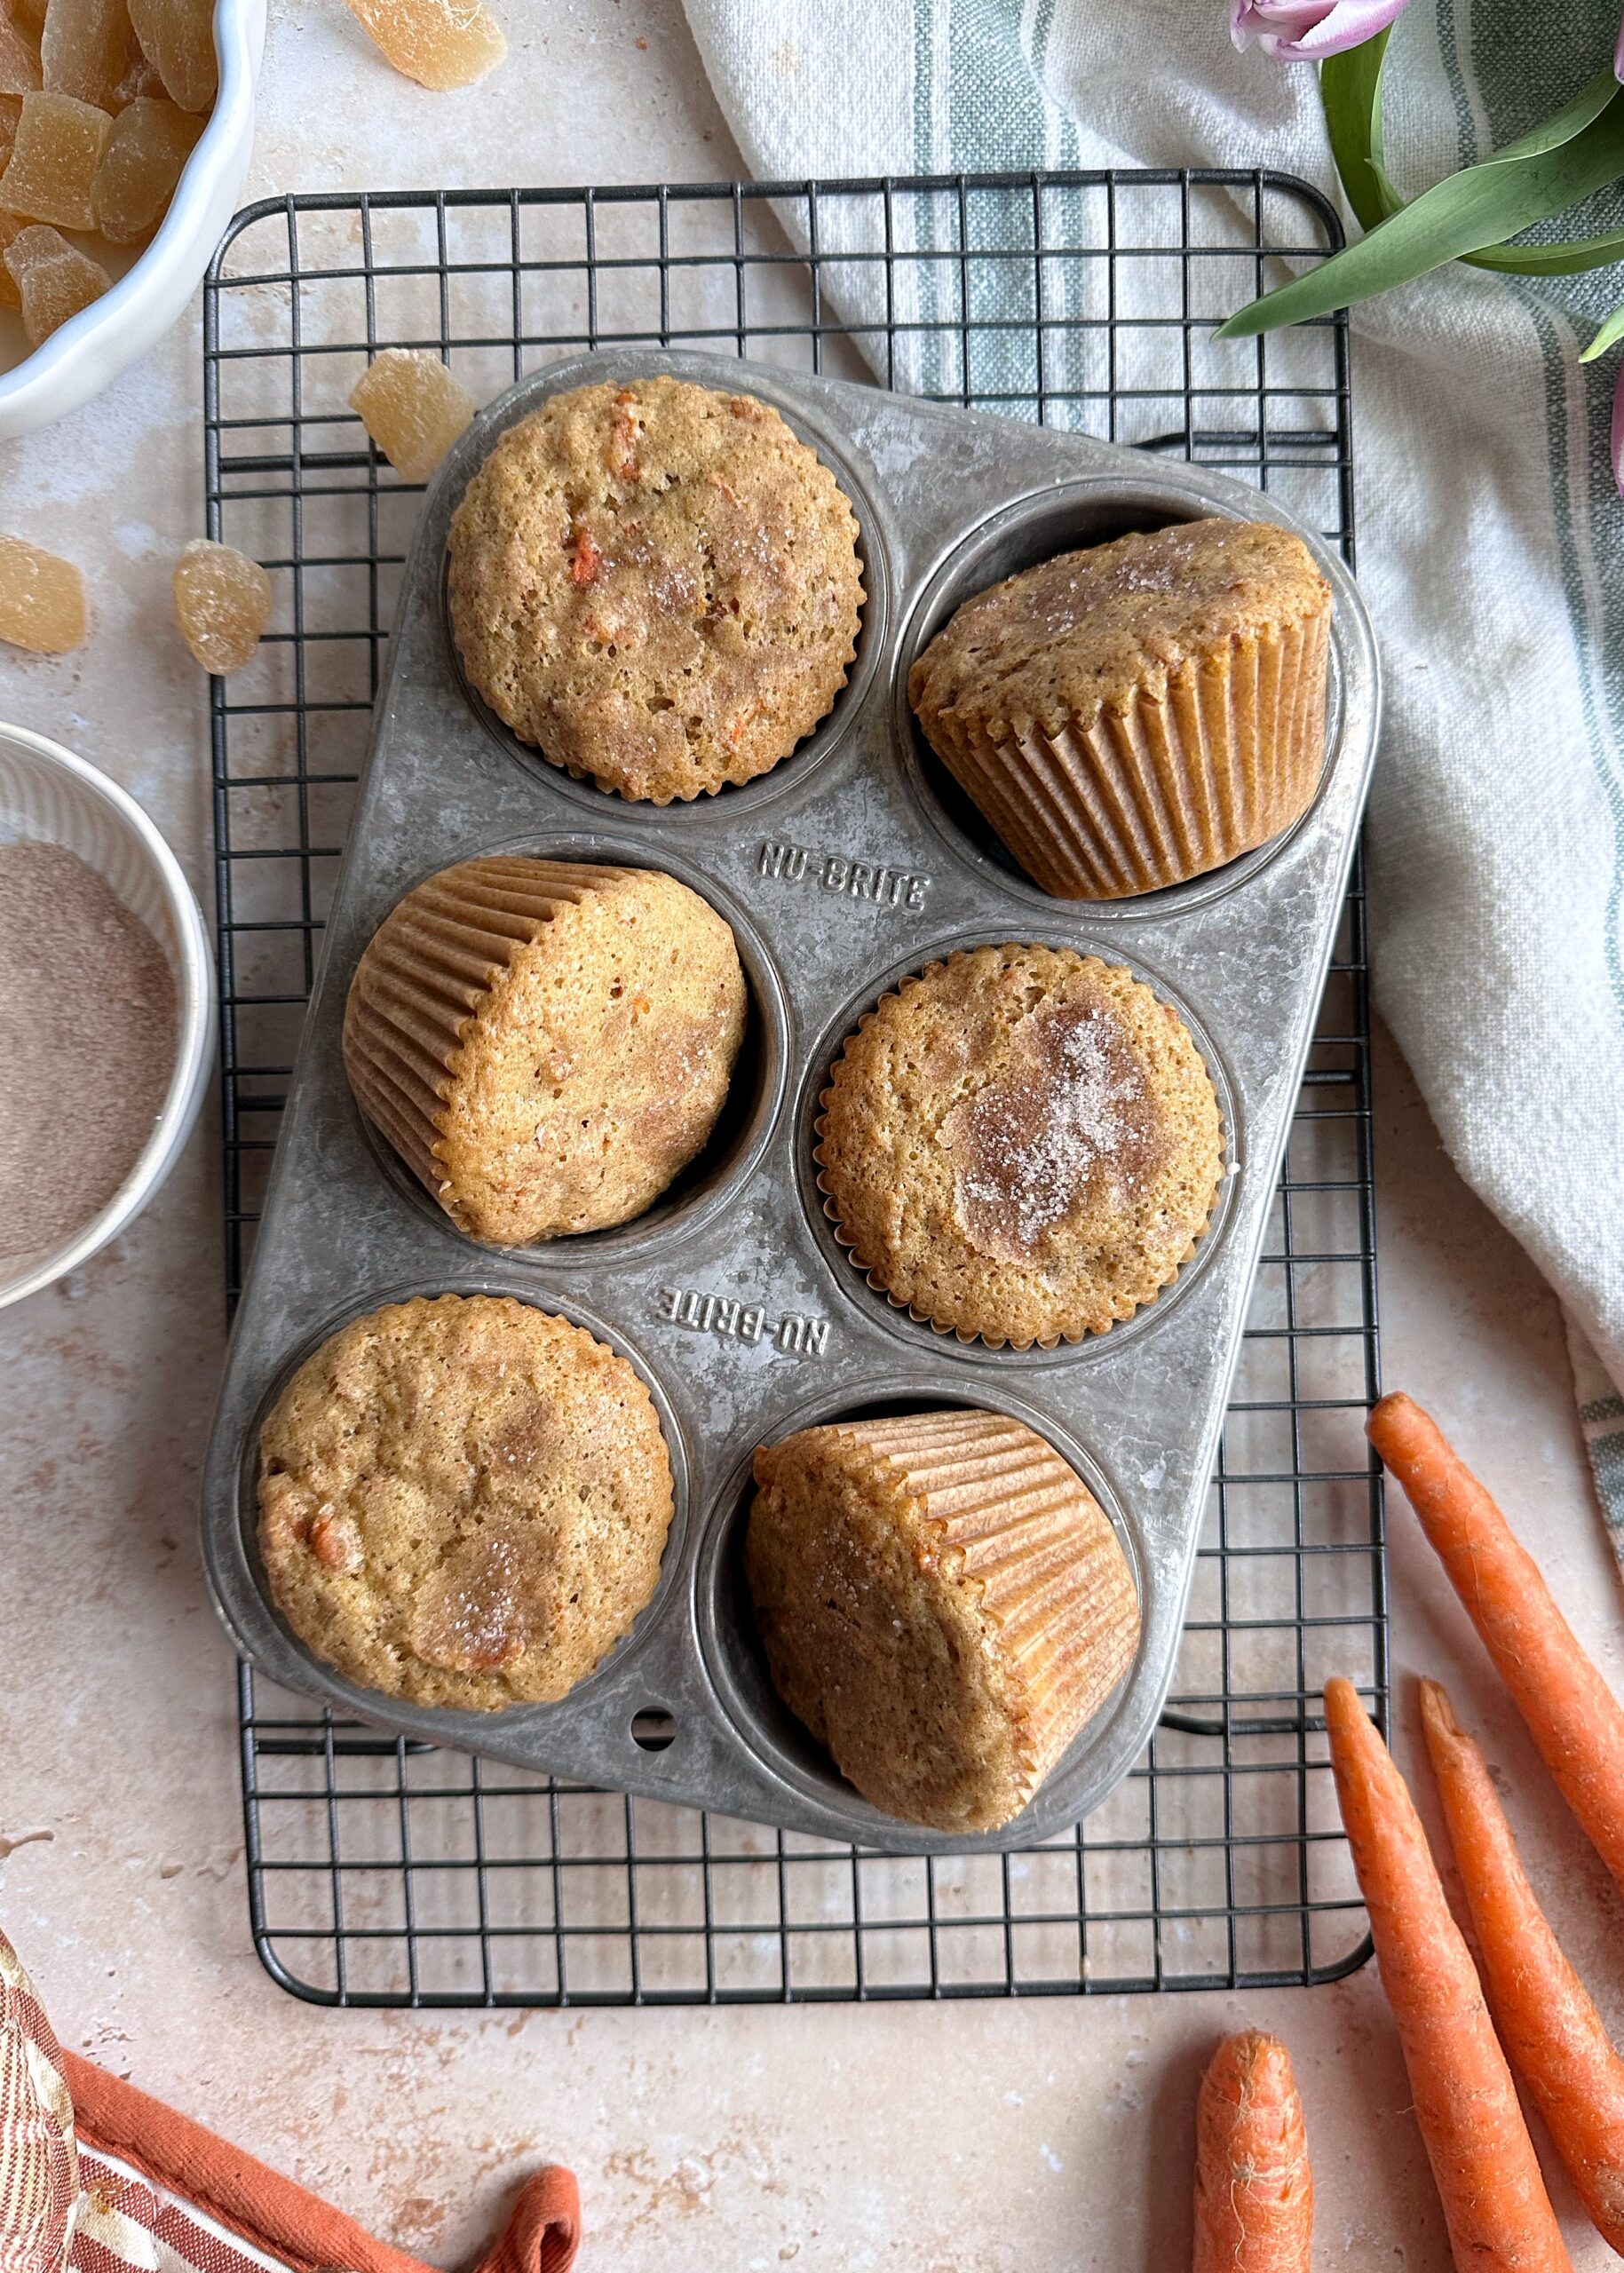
854	862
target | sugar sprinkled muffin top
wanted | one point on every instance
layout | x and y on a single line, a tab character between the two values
657	584
1061	641
464	1501
1021	1143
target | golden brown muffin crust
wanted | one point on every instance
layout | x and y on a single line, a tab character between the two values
943	1605
464	1501
548	1045
1060	642
657	584
1022	1143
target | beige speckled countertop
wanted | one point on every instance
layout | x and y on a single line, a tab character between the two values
974	2138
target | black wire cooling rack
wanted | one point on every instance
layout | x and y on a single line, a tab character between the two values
384	1872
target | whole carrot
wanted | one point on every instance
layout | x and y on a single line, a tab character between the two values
1552	2032
1254	2189
1495	2206
1573	1716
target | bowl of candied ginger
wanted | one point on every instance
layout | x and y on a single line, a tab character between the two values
126	128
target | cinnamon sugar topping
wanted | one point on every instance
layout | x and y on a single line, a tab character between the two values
472	1618
1069	1127
1021	1143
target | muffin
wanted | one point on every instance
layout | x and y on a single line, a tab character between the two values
1135	714
657	584
942	1603
464	1501
1021	1143
545	1045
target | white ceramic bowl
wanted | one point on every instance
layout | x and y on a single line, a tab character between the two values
47	793
93	347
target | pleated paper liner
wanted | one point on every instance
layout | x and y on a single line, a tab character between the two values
946	1327
1014	1518
1204	763
421	979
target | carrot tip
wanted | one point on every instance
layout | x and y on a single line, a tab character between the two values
1446	1740
1253	2183
1395	1406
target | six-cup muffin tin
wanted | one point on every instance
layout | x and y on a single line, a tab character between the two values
852	864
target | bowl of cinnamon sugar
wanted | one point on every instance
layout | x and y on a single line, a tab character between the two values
107	1001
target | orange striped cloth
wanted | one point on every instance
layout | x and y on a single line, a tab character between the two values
95	2177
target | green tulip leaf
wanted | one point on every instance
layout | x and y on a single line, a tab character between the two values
1562	126
1551	260
1350	89
1576	152
1609	335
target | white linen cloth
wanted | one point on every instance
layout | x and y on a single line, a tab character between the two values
1492	540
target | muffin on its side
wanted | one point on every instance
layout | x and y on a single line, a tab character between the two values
464	1501
657	584
1140	712
1021	1143
943	1603
545	1044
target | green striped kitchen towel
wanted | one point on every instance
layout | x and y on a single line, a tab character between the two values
1492	540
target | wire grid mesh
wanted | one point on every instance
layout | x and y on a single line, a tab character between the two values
386	1872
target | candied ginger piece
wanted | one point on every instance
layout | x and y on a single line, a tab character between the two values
150	143
222	605
20	72
83	50
441	44
52	172
10	111
178	36
10	228
140	78
54	280
412	408
30	12
42	600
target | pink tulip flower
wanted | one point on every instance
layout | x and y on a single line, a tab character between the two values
1307	31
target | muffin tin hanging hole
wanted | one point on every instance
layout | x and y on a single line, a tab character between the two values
737	1662
1064	518
909	1326
432	1722
750	1113
734	801
653	1729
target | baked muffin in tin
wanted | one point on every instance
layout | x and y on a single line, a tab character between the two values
942	1603
1137	713
464	1501
656	584
547	1044
1021	1143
